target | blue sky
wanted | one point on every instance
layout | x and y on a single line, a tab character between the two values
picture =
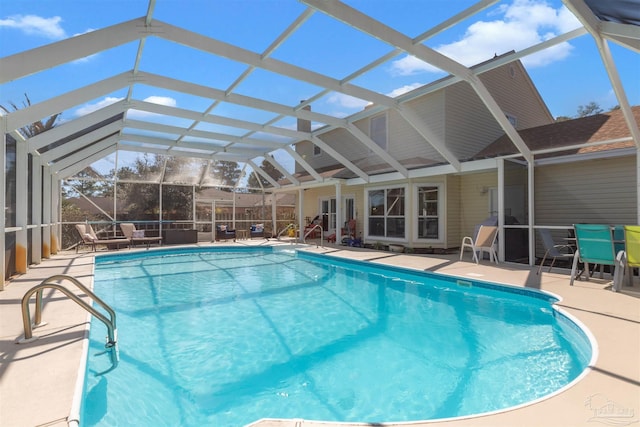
567	76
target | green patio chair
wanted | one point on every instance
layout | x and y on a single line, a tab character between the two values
595	246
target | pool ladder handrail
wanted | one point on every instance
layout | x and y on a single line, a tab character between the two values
284	230
311	230
110	322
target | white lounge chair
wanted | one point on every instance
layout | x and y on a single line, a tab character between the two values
485	240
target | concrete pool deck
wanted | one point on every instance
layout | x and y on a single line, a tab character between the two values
38	379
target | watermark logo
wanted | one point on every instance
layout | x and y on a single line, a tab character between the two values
608	412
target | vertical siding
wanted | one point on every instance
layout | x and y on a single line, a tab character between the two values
469	125
474	203
305	150
343	142
406	142
592	191
513	90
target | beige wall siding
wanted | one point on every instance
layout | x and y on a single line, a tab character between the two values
344	143
474	202
430	108
304	149
592	191
469	125
514	92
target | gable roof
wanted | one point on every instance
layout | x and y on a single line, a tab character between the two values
608	128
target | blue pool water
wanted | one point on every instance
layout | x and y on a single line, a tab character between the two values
224	338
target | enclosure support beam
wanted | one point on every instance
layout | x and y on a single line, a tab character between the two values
36	210
3	156
56	214
339	212
274	210
531	212
501	209
22	192
160	204
301	212
46	212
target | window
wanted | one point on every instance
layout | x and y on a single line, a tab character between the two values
386	208
378	130
349	208
428	216
316	150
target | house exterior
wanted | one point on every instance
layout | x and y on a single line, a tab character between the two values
586	171
583	167
429	208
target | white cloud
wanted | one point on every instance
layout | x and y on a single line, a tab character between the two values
36	25
86	58
404	89
347	101
90	108
524	23
160	100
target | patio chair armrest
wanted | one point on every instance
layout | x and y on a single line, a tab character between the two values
467	239
571	249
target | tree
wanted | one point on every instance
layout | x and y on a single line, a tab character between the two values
140	201
271	170
84	182
36	127
590	109
227	173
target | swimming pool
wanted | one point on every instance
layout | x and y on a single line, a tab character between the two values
227	337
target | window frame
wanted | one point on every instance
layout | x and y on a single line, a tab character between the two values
440	215
385	217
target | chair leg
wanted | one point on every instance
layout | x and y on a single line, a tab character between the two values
475	255
542	262
619	270
574	267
